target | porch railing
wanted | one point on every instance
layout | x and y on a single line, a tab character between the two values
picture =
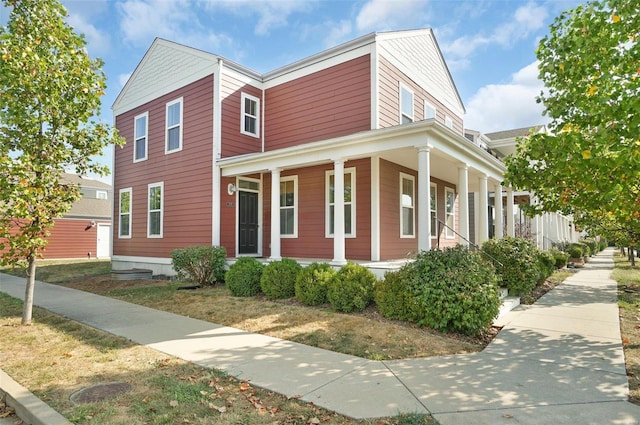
442	224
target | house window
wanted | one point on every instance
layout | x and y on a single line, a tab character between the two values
429	111
155	211
349	202
449	212
407	206
448	121
124	208
174	126
250	115
406	104
140	140
288	206
433	207
101	194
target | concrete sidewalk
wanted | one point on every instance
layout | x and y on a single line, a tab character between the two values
557	362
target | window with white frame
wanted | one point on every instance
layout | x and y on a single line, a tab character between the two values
429	111
433	210
407	206
449	212
124	208
174	126
289	206
250	115
448	121
155	210
102	194
140	143
349	202
406	104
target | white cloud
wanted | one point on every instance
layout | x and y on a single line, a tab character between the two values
143	20
497	107
379	15
98	42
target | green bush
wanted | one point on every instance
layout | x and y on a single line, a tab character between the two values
455	290
204	265
394	298
312	283
560	258
519	271
279	278
351	288
243	277
546	265
575	251
592	244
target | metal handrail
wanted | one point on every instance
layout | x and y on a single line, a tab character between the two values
477	247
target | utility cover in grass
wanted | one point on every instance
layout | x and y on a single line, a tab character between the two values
100	392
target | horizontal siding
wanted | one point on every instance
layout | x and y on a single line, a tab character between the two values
233	141
389	99
187	174
329	103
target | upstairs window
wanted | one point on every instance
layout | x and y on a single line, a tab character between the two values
155	211
407	206
448	121
406	104
124	208
174	126
288	206
140	144
250	124
429	111
102	194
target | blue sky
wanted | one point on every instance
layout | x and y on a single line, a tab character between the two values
488	45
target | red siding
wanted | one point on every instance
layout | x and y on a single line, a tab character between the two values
233	141
187	174
389	79
329	103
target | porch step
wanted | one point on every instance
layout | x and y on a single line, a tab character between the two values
508	304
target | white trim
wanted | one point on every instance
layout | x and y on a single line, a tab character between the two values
328	174
428	105
434	192
216	180
448	233
294	179
260	213
128	190
403	87
375	83
166	126
412	179
100	226
244	113
375	208
161	210
146	136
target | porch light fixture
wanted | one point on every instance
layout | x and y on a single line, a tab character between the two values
231	188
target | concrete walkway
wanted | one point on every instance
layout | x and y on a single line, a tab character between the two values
557	362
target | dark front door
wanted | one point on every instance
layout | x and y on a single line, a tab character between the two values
248	222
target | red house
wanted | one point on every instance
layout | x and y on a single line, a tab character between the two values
218	154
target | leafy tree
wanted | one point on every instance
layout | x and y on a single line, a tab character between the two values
588	164
49	91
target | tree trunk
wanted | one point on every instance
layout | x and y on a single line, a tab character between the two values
632	256
28	294
622	251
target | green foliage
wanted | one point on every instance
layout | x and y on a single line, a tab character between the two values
588	164
455	290
351	288
592	244
243	277
204	265
279	278
394	298
519	271
312	283
561	258
575	251
546	265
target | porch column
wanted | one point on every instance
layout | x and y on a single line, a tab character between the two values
275	215
424	198
463	203
510	220
498	222
338	213
483	219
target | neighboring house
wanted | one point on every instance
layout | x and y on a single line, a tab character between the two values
85	231
218	154
547	229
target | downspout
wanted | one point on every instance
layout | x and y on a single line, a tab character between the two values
217	151
262	117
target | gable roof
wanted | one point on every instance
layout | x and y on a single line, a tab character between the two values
516	132
90	208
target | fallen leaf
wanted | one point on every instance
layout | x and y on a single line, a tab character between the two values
173	403
625	341
244	386
220	409
314	421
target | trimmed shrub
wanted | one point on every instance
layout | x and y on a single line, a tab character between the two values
279	278
394	299
561	258
546	265
312	283
243	277
519	271
454	290
575	251
351	288
204	265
